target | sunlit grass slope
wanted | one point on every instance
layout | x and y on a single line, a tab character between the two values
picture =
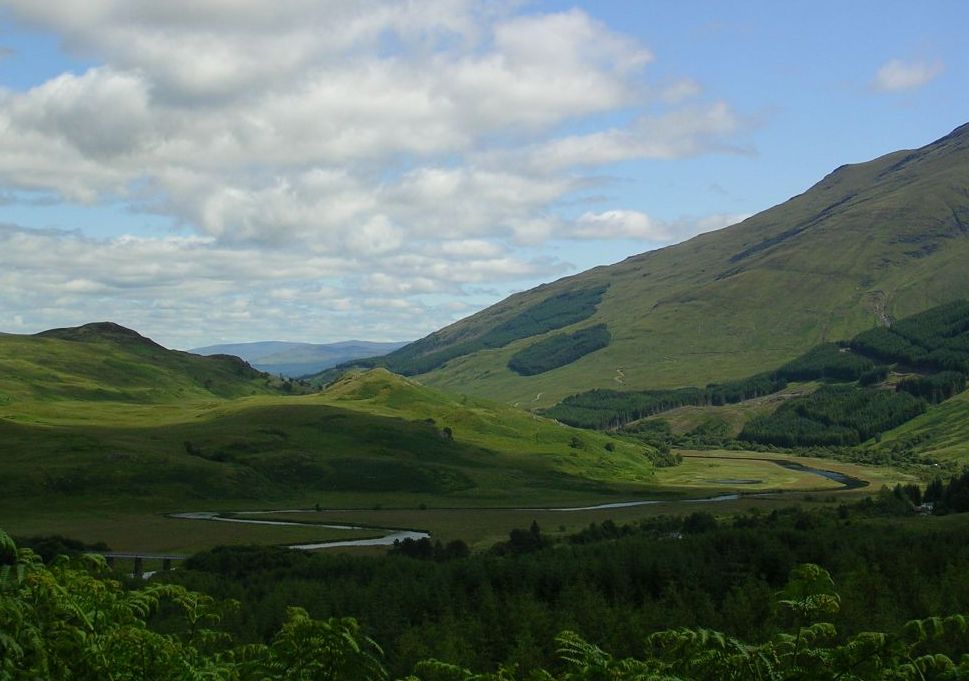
941	434
373	438
105	362
871	241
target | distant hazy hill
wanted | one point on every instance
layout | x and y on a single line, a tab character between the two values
107	362
868	243
299	359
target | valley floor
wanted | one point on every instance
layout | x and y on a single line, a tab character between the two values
728	481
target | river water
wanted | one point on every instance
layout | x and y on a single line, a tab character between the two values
394	534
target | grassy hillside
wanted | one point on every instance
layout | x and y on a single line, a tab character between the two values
101	430
372	438
100	417
941	434
868	243
106	362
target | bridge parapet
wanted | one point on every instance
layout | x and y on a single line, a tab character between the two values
139	559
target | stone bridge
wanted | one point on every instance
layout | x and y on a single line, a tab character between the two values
139	559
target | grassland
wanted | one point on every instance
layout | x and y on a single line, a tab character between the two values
312	448
942	433
446	517
158	533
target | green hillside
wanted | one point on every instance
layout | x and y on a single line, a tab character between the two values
100	416
858	390
106	362
870	242
940	435
260	450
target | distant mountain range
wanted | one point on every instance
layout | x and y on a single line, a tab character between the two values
868	243
299	359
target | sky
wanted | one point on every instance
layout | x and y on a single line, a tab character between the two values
209	171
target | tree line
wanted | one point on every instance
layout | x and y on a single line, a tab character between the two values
601	409
684	597
834	415
611	584
935	342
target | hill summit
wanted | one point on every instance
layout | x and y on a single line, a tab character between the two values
106	362
868	243
99	331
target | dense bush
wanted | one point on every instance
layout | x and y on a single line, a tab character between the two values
873	376
664	458
826	361
657	433
613	408
559	350
951	496
935	387
937	339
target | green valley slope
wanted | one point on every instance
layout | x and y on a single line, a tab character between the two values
105	362
100	416
868	243
102	430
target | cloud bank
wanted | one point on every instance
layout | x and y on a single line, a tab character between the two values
317	160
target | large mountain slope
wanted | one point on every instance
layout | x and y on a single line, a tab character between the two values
867	243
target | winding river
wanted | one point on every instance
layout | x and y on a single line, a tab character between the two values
396	534
388	539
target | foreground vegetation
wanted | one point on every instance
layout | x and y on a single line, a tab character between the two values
672	598
611	584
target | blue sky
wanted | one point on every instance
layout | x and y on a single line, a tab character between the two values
317	171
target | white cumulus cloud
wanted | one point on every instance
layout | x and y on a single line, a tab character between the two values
310	155
898	75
